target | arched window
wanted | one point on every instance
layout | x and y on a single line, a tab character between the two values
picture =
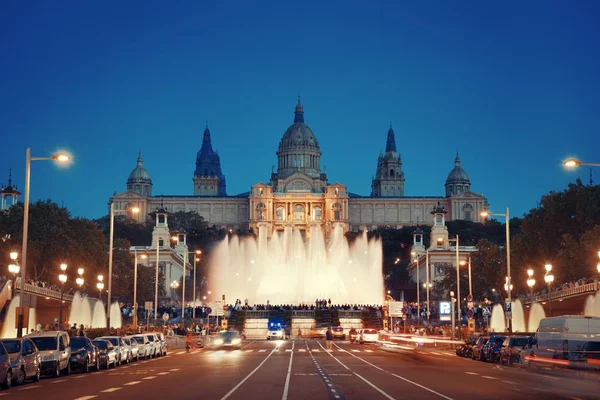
298	213
317	213
260	211
337	211
280	213
468	209
391	173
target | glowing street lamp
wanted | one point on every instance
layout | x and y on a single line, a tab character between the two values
572	163
134	210
174	286
14	255
197	255
549	278
60	158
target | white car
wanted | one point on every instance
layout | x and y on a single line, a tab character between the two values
123	353
134	348
145	348
276	333
55	351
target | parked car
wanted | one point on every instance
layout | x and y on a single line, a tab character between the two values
84	355
123	352
134	347
145	347
492	348
163	343
55	351
25	359
107	354
512	348
477	352
155	344
338	333
5	368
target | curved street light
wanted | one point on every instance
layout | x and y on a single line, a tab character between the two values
572	163
549	278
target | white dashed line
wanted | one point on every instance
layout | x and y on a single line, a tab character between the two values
59	381
174	369
30	387
162	373
316	351
287	350
180	352
471	373
355	351
79	377
149	377
132	383
86	397
488	377
249	351
510	382
262	350
302	350
369	351
110	390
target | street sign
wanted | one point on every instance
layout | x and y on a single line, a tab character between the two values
470	305
208	310
487	311
445	311
471	325
216	308
165	317
508	307
404	317
148	306
469	298
396	308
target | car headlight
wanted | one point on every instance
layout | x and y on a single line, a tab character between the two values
219	341
236	341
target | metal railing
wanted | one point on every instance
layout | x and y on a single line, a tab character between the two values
40	291
349	314
257	314
303	314
557	294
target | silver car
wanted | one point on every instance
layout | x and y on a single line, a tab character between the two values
25	359
55	350
145	348
123	352
134	348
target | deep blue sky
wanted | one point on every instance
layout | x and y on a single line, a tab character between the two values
514	86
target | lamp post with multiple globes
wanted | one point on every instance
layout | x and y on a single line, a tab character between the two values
197	255
530	282
14	269
62	277
100	286
549	278
174	286
60	158
79	280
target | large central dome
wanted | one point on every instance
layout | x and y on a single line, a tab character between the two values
299	148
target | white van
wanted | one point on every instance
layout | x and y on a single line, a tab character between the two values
566	336
55	351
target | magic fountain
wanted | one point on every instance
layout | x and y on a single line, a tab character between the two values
287	269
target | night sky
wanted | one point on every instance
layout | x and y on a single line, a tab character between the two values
513	86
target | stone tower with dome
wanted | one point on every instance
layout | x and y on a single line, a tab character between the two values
298	194
139	180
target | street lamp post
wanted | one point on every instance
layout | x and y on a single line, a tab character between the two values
174	286
62	278
506	215
100	286
573	163
530	283
549	278
60	158
135	268
134	210
463	263
428	312
457	277
196	259
14	269
452	311
418	295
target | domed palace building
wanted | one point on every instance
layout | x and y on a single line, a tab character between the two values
300	194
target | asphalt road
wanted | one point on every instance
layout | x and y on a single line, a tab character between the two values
305	370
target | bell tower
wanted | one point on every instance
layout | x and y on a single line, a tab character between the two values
389	178
439	230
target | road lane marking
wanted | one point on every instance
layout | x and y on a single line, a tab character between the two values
30	387
369	351
180	352
149	377
59	381
249	351
355	351
86	397
471	373
110	390
488	377
174	369
79	377
288	350
262	350
300	350
387	396
132	383
163	373
400	377
510	382
286	387
250	374
315	350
